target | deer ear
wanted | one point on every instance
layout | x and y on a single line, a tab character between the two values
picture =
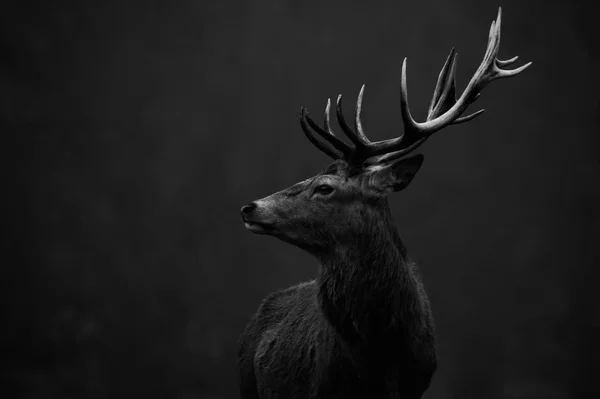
397	176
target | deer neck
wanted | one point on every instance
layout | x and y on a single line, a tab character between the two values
367	289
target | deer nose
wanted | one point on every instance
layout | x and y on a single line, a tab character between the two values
246	209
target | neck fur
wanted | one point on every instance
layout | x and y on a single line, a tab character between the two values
368	290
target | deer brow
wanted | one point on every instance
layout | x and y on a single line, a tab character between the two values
297	188
330	170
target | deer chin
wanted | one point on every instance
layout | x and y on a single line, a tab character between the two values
259	228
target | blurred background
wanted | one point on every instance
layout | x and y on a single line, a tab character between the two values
132	133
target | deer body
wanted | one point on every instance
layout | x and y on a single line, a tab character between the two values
363	328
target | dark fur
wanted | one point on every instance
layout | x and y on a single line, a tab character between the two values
362	329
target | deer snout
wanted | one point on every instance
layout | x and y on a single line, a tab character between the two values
247	209
254	218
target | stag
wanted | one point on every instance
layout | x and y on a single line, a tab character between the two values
363	327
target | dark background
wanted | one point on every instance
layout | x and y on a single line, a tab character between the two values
133	132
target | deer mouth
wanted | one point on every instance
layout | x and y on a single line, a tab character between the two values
258	227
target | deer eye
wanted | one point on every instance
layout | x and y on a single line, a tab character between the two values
323	189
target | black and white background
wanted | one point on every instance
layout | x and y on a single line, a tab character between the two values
132	132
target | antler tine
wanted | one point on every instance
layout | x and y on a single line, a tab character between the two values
445	87
407	119
326	122
328	133
310	136
359	139
444	99
506	63
340	150
357	122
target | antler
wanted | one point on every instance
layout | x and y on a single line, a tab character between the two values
444	110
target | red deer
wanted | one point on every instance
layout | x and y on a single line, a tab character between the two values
363	327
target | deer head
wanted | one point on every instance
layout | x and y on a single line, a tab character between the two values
343	201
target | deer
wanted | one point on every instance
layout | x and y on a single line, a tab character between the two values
363	327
